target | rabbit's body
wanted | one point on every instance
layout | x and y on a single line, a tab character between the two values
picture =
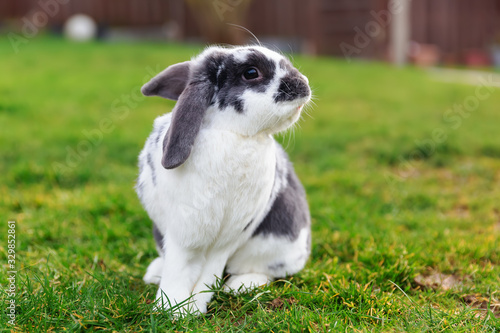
220	190
225	184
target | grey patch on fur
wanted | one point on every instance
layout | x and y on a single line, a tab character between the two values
158	236
158	134
153	170
139	188
289	212
277	266
249	223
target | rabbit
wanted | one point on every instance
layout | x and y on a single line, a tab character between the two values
221	192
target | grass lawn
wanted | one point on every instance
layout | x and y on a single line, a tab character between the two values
402	186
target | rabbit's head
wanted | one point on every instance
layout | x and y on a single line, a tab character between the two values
247	90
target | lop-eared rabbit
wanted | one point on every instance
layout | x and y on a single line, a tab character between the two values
221	192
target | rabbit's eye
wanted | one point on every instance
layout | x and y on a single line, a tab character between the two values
251	73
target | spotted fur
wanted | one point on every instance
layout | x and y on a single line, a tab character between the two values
220	190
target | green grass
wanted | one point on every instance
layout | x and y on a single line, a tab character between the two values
380	217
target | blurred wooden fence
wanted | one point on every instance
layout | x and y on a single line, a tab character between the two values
321	25
456	26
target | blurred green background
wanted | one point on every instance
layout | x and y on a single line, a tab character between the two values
401	168
73	124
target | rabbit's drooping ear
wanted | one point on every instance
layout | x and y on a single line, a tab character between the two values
170	83
187	117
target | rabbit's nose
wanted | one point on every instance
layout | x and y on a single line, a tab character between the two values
292	87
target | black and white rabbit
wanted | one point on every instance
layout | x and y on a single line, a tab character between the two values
220	190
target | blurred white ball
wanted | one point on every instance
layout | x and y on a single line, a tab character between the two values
80	28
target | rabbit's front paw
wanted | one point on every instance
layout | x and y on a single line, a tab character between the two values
245	282
153	274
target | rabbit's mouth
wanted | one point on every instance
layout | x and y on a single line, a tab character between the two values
297	110
296	114
300	107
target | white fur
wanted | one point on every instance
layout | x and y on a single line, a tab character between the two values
277	256
153	273
203	206
244	282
